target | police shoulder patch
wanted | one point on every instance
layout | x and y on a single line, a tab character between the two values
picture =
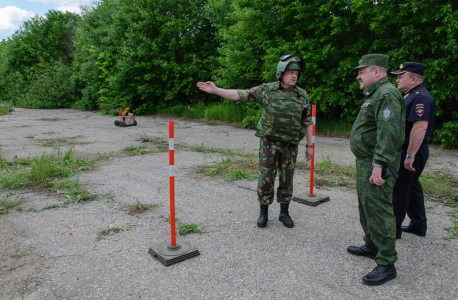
420	109
386	113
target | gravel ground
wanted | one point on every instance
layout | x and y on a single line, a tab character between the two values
61	257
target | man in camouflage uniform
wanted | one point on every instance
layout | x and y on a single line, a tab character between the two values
376	139
286	119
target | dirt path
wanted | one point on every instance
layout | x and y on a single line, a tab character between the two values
59	253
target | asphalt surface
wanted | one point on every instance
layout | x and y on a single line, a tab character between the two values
61	256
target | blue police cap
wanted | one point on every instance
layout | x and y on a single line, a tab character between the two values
413	67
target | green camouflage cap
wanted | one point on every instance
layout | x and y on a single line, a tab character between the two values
375	59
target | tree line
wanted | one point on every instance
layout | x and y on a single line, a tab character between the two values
148	54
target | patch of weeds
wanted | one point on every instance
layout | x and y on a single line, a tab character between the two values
40	171
6	204
106	199
139	208
439	184
60	142
74	192
112	230
332	174
8	270
184	229
453	231
29	136
234	167
204	149
6	109
140	150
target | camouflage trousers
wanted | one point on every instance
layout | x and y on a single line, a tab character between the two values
274	156
376	211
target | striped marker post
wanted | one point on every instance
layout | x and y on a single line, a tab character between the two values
312	162
178	250
172	181
311	198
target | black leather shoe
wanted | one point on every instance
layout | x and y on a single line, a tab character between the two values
263	216
380	275
398	235
365	250
412	229
284	216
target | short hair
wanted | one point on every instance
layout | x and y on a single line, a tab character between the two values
420	78
382	69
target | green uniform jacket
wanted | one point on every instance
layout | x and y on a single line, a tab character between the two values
284	112
378	132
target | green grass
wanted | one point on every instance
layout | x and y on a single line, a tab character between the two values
184	229
234	166
5	109
339	126
40	171
225	112
6	204
453	231
331	174
439	184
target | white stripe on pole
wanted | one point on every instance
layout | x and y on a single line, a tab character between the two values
171	171
313	139
314	120
171	144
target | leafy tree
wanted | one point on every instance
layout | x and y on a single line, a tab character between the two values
40	45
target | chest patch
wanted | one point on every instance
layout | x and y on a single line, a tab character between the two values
365	104
420	109
386	113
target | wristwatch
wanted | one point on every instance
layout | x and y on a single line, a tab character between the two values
308	146
410	156
377	165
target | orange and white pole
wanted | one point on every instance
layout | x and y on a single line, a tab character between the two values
172	182
312	162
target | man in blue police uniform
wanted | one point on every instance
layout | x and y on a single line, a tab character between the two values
420	113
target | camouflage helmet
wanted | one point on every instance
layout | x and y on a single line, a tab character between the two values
290	62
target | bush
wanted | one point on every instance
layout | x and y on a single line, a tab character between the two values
48	85
253	115
447	135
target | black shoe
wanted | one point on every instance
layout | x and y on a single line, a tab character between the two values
284	216
398	235
412	229
380	275
365	250
263	216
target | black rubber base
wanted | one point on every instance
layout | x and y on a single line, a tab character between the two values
169	255
312	200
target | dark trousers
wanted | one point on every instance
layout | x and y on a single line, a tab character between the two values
408	193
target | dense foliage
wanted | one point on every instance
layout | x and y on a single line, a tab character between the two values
36	63
148	54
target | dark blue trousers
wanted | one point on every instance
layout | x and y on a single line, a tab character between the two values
408	193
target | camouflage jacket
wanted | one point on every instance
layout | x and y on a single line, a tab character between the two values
378	132
284	113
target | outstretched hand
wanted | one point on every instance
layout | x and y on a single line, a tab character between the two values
208	87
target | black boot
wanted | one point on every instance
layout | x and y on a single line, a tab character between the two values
284	216
365	250
380	275
263	216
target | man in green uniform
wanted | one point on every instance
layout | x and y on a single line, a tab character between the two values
286	119
376	139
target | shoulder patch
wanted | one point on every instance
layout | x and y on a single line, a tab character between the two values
386	113
420	109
